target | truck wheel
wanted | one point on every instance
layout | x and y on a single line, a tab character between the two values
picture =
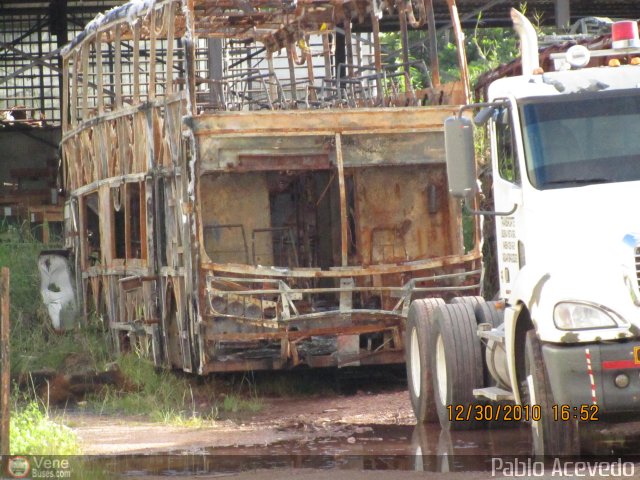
457	365
471	300
488	312
419	324
549	437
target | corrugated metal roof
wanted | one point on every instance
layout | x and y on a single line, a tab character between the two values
497	14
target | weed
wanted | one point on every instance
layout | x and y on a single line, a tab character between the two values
157	394
172	416
32	432
233	403
34	344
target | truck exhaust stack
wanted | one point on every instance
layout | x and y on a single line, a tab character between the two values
528	42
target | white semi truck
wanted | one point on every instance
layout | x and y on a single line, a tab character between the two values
561	348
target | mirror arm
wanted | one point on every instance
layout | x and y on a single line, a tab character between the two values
489	212
484	105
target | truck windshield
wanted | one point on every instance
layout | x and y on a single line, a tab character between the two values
582	139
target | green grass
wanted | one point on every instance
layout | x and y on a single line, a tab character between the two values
149	389
156	394
38	347
32	432
162	396
234	403
34	344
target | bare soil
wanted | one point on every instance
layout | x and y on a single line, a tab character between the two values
287	427
299	420
280	419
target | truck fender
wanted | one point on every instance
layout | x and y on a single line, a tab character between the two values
520	316
511	315
527	289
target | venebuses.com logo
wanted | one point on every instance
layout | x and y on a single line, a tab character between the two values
18	467
32	467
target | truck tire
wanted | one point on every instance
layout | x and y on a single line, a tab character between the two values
472	300
549	437
418	360
457	364
488	312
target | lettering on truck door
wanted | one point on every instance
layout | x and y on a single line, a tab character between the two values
506	185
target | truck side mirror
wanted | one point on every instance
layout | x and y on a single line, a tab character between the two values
460	155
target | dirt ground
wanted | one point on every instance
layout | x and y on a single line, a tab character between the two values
367	435
279	420
345	420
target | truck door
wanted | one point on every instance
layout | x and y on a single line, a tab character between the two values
507	193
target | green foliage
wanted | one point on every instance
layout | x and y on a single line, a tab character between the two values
34	344
468	230
32	432
21	259
486	49
38	347
489	48
420	77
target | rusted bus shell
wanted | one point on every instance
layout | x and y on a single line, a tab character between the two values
252	186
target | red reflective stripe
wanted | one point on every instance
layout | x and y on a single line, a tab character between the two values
592	379
619	364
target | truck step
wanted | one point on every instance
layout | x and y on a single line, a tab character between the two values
493	393
486	332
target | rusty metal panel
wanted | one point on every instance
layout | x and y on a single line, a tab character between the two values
250	163
220	152
348	346
292	122
393	148
458	261
393	219
241	202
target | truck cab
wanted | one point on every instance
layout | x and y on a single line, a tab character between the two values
565	150
561	347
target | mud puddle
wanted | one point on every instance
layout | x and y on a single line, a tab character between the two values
363	447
